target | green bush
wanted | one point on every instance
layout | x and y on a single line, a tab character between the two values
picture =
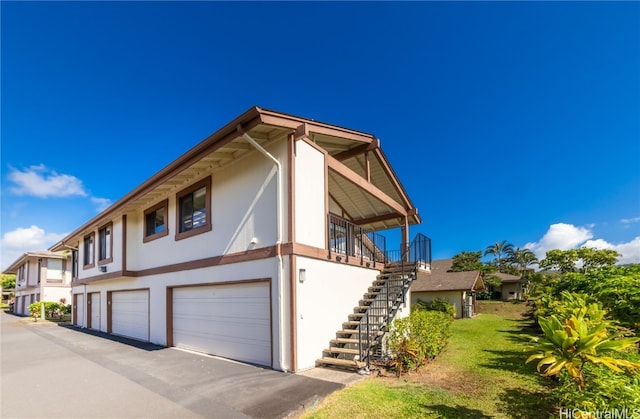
35	310
437	304
418	338
605	391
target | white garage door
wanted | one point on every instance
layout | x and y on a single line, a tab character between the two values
231	321
95	310
79	310
130	314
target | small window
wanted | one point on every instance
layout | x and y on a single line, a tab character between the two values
155	221
88	249
105	247
74	264
194	209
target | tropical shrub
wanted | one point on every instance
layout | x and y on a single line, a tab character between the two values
418	338
607	390
576	335
35	310
437	304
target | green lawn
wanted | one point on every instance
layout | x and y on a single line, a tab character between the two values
481	374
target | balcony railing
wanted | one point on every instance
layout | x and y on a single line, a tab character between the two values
419	251
353	241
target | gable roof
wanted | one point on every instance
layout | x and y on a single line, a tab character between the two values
344	148
440	279
507	277
13	268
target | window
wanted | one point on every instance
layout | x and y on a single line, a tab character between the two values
155	221
74	264
54	270
105	244
194	209
88	251
22	273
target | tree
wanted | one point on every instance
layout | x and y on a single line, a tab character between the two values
467	261
8	281
562	261
498	250
596	258
522	259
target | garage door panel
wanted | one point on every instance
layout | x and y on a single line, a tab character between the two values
80	310
231	321
130	314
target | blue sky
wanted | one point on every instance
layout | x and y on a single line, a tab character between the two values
504	121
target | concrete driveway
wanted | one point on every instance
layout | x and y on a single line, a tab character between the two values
50	371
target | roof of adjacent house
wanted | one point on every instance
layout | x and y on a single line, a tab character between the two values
375	204
507	277
440	279
13	268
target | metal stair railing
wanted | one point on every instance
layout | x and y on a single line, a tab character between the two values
384	307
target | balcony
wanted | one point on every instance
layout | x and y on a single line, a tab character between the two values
366	246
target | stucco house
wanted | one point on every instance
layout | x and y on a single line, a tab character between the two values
512	286
458	288
40	276
260	244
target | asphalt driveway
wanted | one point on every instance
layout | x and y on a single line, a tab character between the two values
52	371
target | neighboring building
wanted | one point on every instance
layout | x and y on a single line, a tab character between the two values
40	276
512	287
256	245
458	288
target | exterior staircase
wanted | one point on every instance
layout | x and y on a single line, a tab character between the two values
362	333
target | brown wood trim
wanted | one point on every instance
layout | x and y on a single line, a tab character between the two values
91	236
293	122
351	176
361	149
254	254
291	161
169	312
206	183
162	204
74	317
377	218
293	313
101	262
249	120
109	314
124	242
367	167
304	250
396	182
88	325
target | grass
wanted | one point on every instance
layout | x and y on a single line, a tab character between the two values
480	374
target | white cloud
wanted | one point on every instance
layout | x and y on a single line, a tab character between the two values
101	203
567	236
560	236
627	222
41	182
630	251
14	243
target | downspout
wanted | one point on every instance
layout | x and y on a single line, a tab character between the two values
275	161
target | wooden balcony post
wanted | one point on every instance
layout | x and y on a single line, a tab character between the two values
405	239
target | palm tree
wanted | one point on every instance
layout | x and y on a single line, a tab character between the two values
522	259
498	250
